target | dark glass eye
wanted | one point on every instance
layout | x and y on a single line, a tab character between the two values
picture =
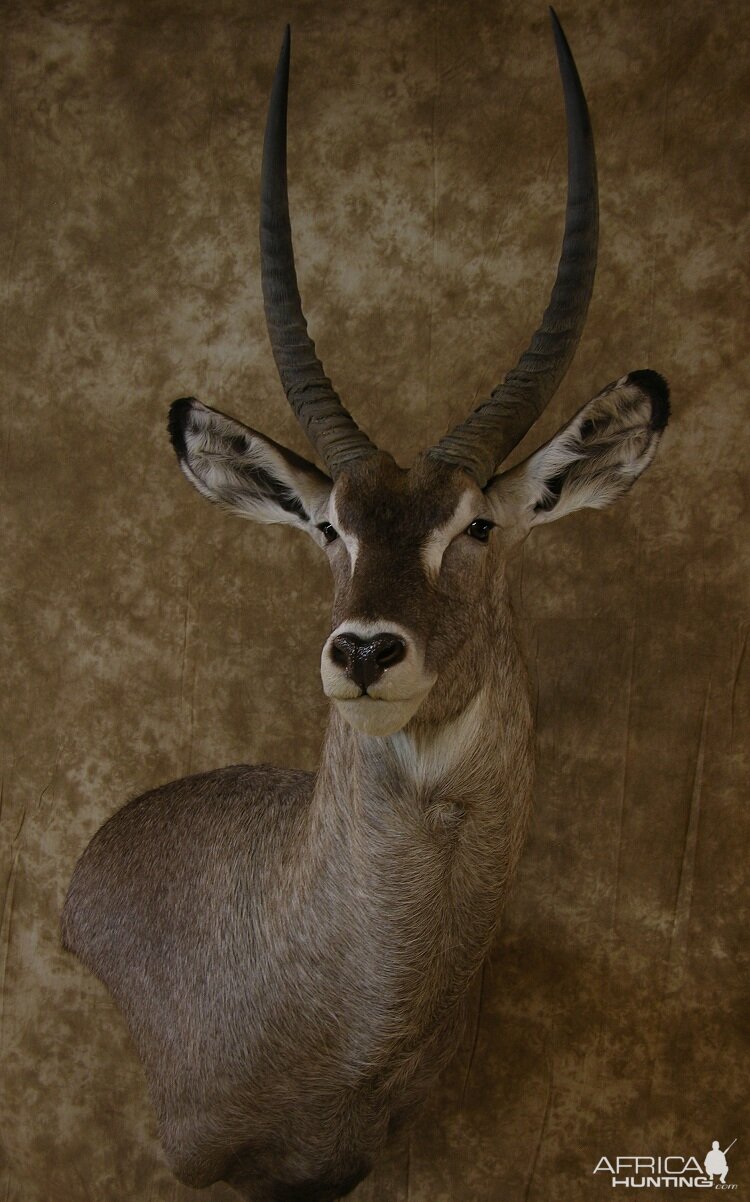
329	534
480	529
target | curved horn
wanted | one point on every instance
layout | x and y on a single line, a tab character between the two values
316	404
491	432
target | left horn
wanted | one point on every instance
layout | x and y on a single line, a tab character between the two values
491	432
316	404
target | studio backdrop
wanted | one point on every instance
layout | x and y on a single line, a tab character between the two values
147	636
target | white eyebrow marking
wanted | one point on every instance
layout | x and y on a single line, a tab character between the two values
350	541
437	541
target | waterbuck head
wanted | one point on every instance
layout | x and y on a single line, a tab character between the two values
414	551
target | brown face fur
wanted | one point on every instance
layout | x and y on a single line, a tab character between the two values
417	597
392	513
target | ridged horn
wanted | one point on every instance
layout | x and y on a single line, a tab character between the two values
497	425
317	406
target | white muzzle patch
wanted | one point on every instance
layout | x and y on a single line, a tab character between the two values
391	700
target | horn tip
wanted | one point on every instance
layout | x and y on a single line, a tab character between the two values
286	43
557	30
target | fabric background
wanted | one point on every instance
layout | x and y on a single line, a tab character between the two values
146	635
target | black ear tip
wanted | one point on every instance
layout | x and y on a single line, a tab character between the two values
657	390
179	413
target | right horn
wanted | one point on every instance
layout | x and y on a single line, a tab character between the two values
497	425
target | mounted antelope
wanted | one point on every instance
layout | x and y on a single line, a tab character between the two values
291	950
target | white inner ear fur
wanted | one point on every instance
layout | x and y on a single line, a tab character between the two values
599	455
214	461
440	538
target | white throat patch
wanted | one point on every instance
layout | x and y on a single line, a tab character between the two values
427	760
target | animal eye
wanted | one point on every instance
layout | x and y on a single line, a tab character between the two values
329	534
480	529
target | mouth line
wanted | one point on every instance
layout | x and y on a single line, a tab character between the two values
379	716
367	696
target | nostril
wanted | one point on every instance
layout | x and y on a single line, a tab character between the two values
389	650
365	660
342	651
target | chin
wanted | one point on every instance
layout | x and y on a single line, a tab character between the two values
371	716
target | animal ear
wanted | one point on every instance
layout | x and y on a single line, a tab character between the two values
242	470
592	461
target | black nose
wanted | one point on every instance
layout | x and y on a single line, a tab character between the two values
365	660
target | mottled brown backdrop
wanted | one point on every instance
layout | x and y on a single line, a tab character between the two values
145	635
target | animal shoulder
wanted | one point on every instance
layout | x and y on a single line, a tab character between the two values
179	847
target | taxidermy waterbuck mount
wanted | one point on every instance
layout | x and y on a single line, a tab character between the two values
291	949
